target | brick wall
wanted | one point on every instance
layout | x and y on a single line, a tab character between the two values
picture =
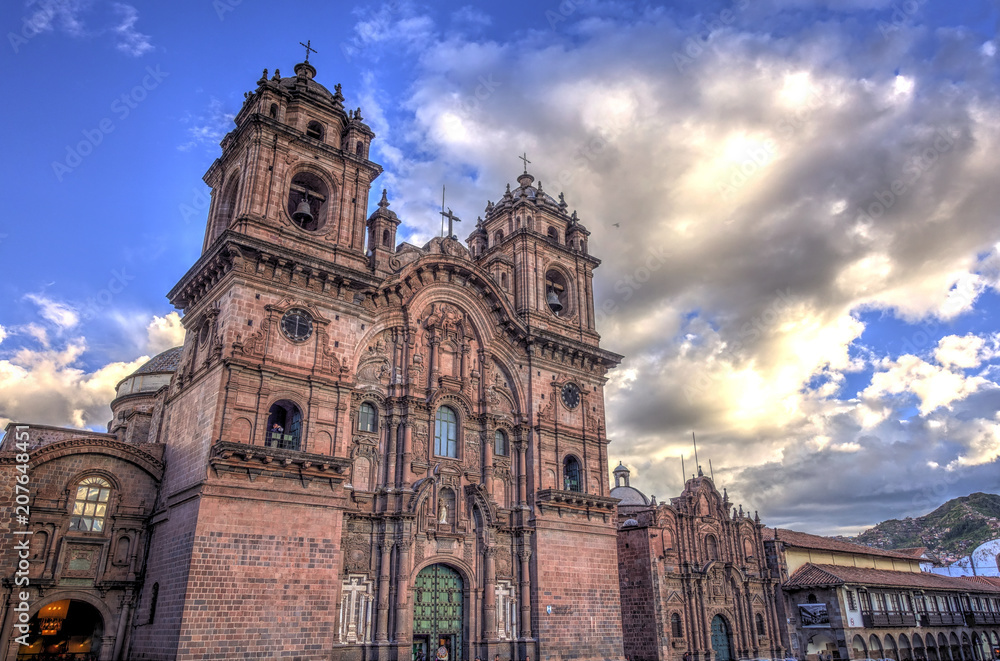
638	595
264	581
576	569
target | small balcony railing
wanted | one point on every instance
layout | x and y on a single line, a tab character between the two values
942	619
975	618
873	619
282	441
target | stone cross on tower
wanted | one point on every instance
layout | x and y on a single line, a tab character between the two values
452	218
524	157
309	48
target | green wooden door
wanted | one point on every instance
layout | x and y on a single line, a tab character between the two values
437	612
720	639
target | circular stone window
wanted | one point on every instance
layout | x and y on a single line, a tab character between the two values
297	325
308	198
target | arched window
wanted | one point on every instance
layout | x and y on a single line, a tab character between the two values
446	433
503	281
227	207
284	426
273	112
500	443
761	631
556	292
385	238
711	547
366	417
498	237
676	630
90	507
360	149
315	130
571	473
553	234
309	188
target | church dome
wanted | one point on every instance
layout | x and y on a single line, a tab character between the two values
166	361
629	496
152	375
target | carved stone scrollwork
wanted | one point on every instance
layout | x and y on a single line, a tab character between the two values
357	547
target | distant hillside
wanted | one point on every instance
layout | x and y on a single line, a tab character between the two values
950	532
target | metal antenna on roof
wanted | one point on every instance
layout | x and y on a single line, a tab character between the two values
683	473
711	470
696	462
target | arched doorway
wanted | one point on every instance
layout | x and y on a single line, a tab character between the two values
63	629
720	639
858	648
438	618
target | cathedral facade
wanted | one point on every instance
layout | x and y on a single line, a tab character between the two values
365	449
695	583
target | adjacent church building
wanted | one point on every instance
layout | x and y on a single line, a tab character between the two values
364	449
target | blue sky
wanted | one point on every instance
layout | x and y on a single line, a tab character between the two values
804	268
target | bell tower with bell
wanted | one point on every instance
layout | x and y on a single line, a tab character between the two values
547	267
295	170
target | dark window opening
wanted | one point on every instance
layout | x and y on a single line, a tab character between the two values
554	234
308	198
556	293
571	474
154	596
284	426
385	239
273	112
315	130
760	625
675	626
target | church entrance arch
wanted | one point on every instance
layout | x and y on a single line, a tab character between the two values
65	629
438	617
720	639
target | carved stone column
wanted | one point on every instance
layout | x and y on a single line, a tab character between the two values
522	474
392	451
382	626
490	595
407	475
403	590
524	553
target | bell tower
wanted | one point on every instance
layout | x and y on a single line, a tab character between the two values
295	170
530	241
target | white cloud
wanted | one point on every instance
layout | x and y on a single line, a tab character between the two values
962	352
164	332
208	129
61	315
130	41
52	386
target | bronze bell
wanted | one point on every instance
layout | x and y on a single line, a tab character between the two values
553	300
303	214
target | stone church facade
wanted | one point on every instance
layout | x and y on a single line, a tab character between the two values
364	449
694	577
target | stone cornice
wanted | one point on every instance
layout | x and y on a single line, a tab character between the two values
125	451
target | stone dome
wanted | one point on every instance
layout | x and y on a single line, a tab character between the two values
629	496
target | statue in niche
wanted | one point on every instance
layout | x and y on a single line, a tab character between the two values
442	511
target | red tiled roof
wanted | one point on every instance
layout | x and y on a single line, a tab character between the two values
814	575
915	552
986	580
807	541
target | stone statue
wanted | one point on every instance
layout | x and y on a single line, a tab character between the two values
442	511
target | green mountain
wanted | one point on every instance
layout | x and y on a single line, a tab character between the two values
951	531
